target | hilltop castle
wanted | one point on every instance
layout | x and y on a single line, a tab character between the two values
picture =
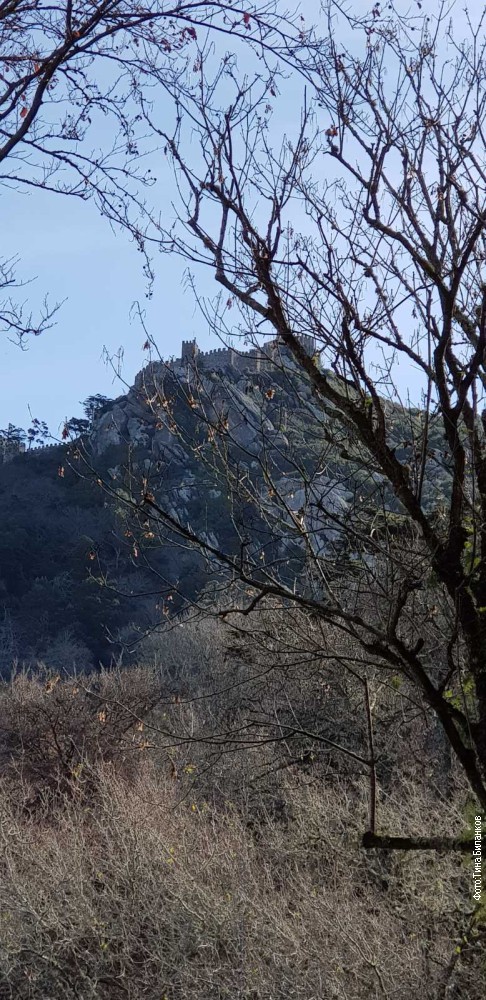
257	359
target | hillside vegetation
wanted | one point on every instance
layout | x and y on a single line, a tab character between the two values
139	861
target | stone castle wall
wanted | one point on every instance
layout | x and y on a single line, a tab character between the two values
254	360
45	447
9	453
9	449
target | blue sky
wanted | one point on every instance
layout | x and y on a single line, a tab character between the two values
73	254
67	250
76	257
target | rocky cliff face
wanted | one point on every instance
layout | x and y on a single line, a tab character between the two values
177	427
180	424
142	418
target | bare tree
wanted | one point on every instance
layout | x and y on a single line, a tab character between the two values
75	81
365	232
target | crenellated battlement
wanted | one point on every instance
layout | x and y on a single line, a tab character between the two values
10	450
44	447
254	360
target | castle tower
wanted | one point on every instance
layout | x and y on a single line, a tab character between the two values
189	350
10	446
308	343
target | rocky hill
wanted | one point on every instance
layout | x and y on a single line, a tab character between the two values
80	576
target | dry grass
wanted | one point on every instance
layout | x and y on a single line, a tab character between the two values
151	887
143	897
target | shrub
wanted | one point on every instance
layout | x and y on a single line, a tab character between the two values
145	896
54	730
